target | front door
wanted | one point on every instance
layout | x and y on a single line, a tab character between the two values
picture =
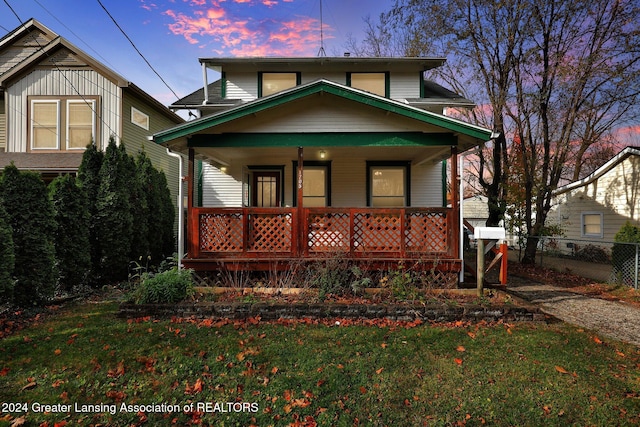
266	189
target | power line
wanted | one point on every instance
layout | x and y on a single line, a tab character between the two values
60	71
136	49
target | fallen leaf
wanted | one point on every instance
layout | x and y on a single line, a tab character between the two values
458	361
561	370
19	422
57	352
274	370
461	349
597	340
379	371
384	345
4	372
363	390
471	335
30	386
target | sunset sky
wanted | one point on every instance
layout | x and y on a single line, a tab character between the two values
173	34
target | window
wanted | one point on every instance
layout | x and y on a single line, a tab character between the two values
62	124
592	224
376	83
139	118
316	186
45	118
388	184
270	83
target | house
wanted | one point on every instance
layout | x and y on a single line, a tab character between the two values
303	158
55	100
596	207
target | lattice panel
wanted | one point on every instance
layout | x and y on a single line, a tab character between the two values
377	232
328	232
270	232
426	232
221	232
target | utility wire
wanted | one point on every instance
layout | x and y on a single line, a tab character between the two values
136	49
60	71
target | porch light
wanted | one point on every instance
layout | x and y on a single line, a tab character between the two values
323	154
223	169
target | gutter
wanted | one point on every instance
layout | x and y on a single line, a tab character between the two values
180	208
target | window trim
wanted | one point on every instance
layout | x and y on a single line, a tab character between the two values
262	73
32	123
387	80
92	104
312	163
144	126
583	233
406	164
62	121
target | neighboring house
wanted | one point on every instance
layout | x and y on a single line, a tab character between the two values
307	157
475	210
55	100
596	207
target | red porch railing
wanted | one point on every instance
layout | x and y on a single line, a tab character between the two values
253	233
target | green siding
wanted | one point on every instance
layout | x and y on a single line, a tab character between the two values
136	139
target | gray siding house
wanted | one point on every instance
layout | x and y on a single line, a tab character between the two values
55	100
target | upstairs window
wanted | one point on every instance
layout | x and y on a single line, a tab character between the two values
270	83
62	124
376	83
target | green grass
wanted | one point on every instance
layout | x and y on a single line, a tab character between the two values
314	374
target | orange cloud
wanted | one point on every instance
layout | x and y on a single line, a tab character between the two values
246	28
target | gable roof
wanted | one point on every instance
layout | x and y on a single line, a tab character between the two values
44	51
595	175
473	132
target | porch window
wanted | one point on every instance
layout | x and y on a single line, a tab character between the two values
388	184
62	124
592	224
270	83
316	187
376	83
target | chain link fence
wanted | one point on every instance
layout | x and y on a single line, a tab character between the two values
611	262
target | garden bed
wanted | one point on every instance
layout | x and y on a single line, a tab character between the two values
291	303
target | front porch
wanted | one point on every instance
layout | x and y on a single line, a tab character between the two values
262	238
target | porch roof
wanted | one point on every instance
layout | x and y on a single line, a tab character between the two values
468	135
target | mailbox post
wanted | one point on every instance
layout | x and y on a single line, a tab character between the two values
481	234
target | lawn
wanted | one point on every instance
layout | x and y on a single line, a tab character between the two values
84	366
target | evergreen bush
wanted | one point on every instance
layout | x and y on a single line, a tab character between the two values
113	213
71	213
142	209
31	218
7	257
89	180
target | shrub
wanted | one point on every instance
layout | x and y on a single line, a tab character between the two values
89	180
168	287
593	253
71	214
7	257
113	214
27	203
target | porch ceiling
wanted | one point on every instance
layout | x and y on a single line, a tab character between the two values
229	156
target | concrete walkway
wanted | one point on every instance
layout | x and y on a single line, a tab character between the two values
616	320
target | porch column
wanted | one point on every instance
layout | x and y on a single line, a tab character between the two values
455	204
299	197
192	226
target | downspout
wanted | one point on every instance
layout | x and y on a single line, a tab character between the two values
206	84
180	208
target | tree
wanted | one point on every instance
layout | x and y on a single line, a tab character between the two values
26	201
576	76
114	222
7	257
89	181
556	74
71	235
